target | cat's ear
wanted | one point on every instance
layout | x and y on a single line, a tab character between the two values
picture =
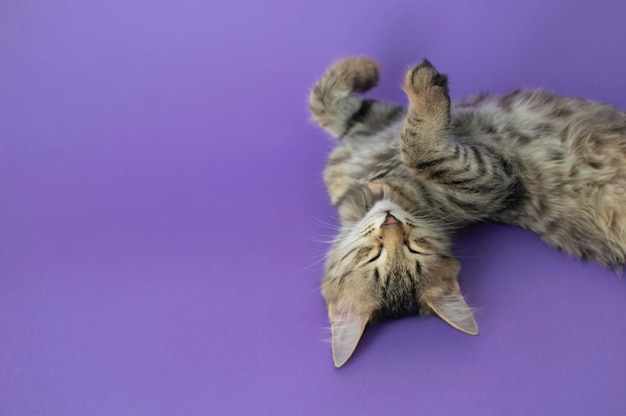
453	309
347	326
447	301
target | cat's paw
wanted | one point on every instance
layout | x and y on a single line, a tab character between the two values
426	86
424	76
357	74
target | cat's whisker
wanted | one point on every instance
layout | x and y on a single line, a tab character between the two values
335	227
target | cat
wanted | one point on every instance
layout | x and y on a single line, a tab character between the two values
404	181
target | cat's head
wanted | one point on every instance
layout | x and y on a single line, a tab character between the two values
389	265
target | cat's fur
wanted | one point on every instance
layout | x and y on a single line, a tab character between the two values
405	181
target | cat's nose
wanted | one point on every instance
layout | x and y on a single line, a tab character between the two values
390	220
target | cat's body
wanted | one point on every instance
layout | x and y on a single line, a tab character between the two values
405	181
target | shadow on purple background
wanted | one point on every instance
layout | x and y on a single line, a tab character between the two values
162	205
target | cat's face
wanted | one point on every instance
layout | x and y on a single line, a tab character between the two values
389	265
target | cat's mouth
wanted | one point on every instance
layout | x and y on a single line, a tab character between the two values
390	220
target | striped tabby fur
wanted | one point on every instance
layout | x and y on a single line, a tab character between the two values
405	181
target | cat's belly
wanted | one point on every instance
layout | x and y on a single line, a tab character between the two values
581	216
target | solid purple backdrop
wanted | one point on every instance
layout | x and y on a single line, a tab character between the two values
162	212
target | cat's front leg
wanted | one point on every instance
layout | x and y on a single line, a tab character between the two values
476	179
427	120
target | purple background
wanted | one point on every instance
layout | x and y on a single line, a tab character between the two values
162	212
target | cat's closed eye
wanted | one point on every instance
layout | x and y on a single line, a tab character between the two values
414	249
419	247
375	254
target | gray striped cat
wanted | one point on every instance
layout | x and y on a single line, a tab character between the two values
405	181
